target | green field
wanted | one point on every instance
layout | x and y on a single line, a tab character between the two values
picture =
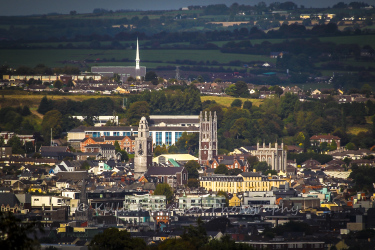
360	40
55	57
227	101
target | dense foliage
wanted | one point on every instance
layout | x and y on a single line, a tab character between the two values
112	238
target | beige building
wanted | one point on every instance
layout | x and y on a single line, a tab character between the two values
246	181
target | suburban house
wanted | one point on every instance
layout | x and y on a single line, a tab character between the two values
326	138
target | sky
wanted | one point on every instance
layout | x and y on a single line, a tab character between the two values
31	7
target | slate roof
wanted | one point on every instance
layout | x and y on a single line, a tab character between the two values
250	174
107	146
96	139
8	198
164	170
46	149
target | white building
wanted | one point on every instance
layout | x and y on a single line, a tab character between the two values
39	201
100	120
167	135
201	201
145	202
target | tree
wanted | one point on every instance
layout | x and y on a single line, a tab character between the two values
236	103
262	166
85	165
152	77
25	111
333	145
17	235
242	89
235	171
164	189
117	146
247	105
252	161
112	238
172	149
231	90
350	146
52	119
222	193
136	111
196	235
124	155
193	183
16	144
221	169
44	106
57	84
159	150
188	143
192	168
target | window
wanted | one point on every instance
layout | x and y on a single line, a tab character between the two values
159	139
177	136
126	133
96	134
168	138
106	133
116	133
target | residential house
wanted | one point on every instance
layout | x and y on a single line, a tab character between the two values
104	151
326	138
56	152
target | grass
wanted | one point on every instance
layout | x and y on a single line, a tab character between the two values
356	130
227	101
33	100
21	98
360	40
58	58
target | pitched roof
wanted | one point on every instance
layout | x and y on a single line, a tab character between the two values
53	149
249	174
326	137
164	170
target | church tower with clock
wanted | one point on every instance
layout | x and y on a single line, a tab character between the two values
143	149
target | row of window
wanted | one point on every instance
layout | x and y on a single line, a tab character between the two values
158	136
97	134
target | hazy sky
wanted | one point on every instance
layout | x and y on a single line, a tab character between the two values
30	7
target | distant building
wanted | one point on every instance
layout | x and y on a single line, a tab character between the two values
207	137
145	202
124	72
326	138
143	149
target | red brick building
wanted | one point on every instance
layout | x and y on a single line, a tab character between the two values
126	143
326	138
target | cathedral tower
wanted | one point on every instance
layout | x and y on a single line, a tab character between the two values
207	137
143	149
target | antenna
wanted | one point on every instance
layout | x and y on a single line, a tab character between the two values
51	137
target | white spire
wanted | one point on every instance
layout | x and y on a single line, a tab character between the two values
137	57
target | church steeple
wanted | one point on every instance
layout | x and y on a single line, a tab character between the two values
137	56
